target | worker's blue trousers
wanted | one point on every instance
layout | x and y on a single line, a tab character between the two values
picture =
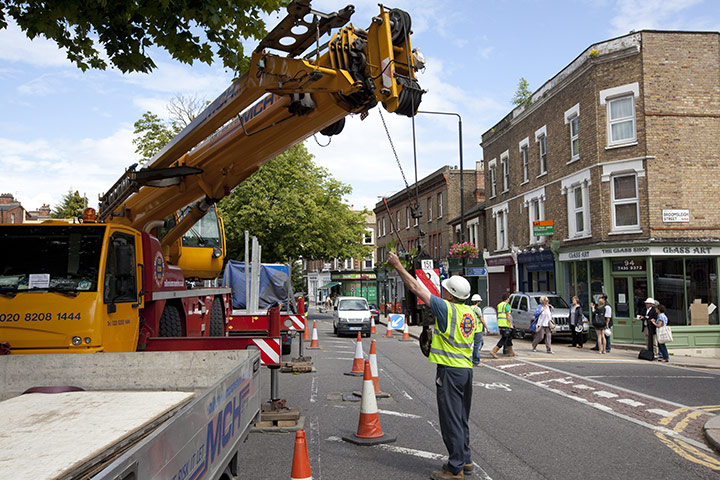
454	397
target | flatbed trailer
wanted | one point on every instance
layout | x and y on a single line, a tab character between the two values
109	416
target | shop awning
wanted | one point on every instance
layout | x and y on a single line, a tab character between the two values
329	285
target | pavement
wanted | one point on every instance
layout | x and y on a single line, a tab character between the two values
620	351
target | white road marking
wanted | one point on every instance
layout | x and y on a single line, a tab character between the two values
660	411
406	395
417	453
632	403
581	386
511	365
532	374
313	390
604	394
493	386
434	426
564	381
399	414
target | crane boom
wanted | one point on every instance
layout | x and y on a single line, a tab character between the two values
278	103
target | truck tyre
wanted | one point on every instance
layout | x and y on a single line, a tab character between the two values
217	320
170	322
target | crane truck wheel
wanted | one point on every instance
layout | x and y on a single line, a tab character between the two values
216	318
170	322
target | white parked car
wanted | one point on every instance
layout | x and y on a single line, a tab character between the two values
351	315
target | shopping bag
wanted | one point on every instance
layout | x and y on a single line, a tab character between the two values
664	334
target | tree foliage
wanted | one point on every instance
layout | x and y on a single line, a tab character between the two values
523	95
123	32
295	208
71	205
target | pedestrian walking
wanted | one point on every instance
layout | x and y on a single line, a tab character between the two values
661	321
648	318
576	322
479	341
505	326
543	317
600	322
451	349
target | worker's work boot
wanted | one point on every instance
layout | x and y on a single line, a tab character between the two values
445	475
467	468
511	352
494	351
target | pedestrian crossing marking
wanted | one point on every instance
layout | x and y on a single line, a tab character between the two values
661	412
604	394
632	403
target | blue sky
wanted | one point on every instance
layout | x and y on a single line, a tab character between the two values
63	129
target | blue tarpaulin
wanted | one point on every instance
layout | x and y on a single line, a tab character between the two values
275	285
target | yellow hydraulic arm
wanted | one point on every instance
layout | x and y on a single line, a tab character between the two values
279	102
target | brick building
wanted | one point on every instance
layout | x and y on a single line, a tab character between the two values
439	201
351	276
618	153
11	210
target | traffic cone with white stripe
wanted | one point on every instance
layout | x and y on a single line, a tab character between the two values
374	373
406	334
388	334
301	459
369	431
372	325
306	333
314	344
357	368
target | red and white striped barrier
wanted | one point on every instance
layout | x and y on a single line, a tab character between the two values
269	350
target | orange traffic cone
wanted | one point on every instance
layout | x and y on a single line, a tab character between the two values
306	333
406	334
388	333
314	342
369	431
374	373
301	459
372	325
357	368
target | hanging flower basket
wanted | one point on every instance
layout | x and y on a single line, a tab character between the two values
463	250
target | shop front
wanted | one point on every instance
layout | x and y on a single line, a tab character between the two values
536	271
684	278
357	284
501	277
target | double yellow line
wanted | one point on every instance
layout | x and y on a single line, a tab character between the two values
682	448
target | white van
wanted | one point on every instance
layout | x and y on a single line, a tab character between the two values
351	315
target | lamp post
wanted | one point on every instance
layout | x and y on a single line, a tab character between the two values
462	199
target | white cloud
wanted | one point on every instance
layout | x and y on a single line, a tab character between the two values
175	78
657	14
42	171
15	46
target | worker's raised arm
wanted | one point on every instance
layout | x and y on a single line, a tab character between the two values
410	282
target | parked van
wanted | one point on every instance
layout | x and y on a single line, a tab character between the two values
351	315
523	305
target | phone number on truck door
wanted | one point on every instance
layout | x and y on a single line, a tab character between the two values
37	317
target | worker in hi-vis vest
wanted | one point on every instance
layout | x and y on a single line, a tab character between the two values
451	349
505	326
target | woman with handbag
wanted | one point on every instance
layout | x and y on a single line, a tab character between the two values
543	322
661	321
576	323
600	322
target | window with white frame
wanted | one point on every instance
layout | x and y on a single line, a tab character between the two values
439	205
535	203
416	221
572	116
500	212
349	264
620	104
625	202
524	157
493	177
541	139
399	221
505	165
368	262
472	231
407	217
368	237
576	190
429	209
384	231
378	228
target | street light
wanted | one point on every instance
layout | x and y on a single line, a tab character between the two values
462	199
462	196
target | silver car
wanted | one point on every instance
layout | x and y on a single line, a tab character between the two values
523	305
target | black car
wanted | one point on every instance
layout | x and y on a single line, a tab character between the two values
375	312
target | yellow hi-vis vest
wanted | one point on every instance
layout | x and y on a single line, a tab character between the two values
502	315
478	315
454	346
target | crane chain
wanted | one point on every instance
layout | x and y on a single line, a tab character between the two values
397	159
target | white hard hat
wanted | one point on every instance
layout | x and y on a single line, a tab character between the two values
476	298
457	286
